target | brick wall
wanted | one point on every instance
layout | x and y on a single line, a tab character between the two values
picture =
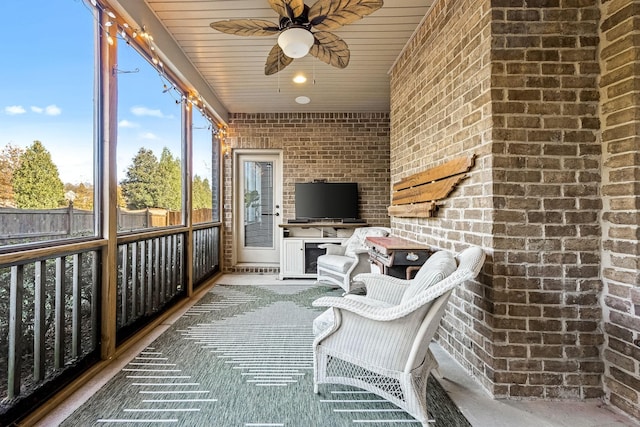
342	147
519	89
439	112
620	105
547	199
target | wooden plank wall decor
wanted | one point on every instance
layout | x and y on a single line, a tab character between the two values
417	195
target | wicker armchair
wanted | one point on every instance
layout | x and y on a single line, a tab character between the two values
342	262
380	342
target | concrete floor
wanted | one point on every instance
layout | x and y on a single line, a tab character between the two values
474	402
483	411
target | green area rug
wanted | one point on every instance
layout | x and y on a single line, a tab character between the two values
242	356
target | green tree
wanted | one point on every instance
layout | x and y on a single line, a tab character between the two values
170	188
9	161
202	196
140	186
36	181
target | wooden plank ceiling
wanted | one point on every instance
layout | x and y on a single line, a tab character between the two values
234	65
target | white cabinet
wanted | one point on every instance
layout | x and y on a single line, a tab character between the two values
292	258
299	246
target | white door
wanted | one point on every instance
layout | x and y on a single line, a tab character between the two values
258	198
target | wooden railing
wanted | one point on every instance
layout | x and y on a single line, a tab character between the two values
51	301
49	307
151	273
206	252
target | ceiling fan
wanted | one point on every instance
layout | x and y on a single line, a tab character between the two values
296	38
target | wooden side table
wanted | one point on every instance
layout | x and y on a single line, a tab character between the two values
396	256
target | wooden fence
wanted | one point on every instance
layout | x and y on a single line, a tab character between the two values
25	225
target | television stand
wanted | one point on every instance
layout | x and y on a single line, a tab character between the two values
299	249
353	221
298	221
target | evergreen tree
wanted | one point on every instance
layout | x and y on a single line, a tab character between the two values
202	196
9	161
36	181
140	187
170	186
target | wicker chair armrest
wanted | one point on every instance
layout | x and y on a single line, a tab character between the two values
383	288
359	307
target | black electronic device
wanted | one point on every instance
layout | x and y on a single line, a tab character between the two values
326	200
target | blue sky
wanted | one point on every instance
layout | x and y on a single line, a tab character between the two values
47	92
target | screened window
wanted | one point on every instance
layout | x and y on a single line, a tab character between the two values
46	113
206	166
149	153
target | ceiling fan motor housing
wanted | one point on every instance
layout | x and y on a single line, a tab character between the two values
295	41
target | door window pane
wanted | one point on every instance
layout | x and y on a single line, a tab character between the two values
258	204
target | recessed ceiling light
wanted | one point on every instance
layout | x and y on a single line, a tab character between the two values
299	79
303	100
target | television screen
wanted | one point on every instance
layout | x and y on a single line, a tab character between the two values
326	200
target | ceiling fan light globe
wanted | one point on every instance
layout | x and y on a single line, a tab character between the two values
295	42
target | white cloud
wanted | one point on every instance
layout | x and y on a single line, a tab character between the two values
52	110
144	111
49	110
148	135
14	109
127	124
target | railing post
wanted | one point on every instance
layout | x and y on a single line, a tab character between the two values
76	315
15	331
39	322
59	308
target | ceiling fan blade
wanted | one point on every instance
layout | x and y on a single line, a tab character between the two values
246	27
289	8
276	61
332	14
331	49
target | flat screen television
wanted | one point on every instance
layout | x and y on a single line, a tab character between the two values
326	200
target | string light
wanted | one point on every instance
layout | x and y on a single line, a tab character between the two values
127	33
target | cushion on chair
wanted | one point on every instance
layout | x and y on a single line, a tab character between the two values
439	265
335	262
322	322
356	241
